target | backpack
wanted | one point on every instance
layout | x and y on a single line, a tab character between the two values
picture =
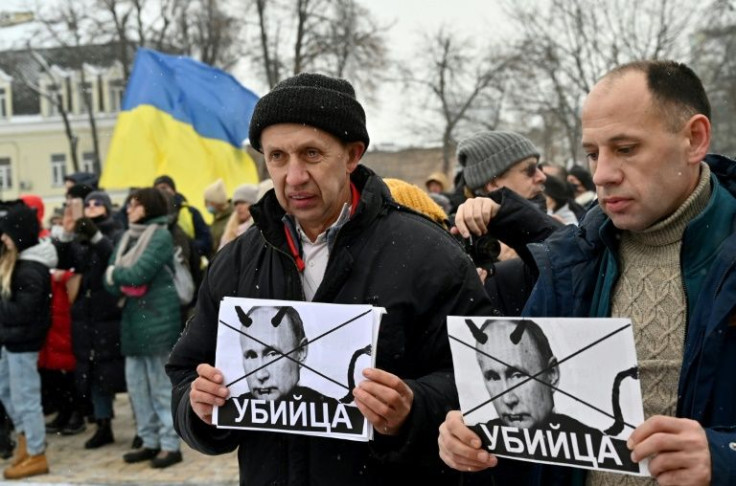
182	277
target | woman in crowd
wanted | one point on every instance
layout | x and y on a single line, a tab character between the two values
25	307
240	219
560	202
88	243
150	323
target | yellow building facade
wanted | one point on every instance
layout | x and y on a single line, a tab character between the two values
35	153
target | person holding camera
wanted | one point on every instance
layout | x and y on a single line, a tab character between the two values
86	245
504	166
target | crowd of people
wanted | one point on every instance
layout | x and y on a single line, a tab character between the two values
104	317
92	306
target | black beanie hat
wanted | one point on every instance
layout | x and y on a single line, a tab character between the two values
315	100
79	190
164	179
102	197
21	225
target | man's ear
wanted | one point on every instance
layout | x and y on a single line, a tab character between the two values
355	153
553	371
491	185
301	355
698	132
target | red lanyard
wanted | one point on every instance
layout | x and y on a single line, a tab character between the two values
295	250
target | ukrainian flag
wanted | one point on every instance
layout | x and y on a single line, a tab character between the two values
182	118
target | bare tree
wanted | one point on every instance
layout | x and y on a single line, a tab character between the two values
569	44
54	96
337	37
67	24
461	85
714	59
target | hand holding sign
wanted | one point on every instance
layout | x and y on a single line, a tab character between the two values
207	391
384	399
677	447
460	447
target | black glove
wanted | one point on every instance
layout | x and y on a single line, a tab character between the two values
85	229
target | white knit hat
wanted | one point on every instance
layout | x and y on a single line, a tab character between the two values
246	193
216	192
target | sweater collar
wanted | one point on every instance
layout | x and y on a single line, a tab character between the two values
671	229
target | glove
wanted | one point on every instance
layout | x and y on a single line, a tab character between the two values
85	228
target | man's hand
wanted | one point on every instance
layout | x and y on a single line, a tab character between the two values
384	399
207	391
474	215
677	449
460	447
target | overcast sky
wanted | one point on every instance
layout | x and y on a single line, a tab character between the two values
387	121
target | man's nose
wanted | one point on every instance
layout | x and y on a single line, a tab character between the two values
606	171
540	176
296	173
510	399
263	374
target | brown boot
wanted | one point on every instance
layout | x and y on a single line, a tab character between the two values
30	466
21	452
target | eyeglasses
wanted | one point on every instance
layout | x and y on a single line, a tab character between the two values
531	169
93	203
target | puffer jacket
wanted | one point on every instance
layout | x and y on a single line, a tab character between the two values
150	323
95	313
387	256
25	318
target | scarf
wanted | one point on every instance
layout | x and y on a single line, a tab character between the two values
143	233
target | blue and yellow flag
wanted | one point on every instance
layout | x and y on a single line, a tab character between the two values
182	118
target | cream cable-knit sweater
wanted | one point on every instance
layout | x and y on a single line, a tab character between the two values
650	291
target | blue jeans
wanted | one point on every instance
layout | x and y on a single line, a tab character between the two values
20	392
150	393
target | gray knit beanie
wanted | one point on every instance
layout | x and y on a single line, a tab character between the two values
486	155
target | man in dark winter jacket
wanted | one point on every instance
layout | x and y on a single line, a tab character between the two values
330	232
190	220
659	249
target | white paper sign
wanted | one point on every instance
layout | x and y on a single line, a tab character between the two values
557	391
291	366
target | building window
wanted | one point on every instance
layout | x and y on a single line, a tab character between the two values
58	169
6	180
85	89
3	106
117	88
89	163
53	93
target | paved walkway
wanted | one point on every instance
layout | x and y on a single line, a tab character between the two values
71	463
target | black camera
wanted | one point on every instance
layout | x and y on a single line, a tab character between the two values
483	250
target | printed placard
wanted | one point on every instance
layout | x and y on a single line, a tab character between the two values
291	366
558	391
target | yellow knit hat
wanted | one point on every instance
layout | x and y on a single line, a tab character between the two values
415	198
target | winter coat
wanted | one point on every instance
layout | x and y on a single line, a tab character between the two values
56	353
578	273
26	316
385	255
217	228
193	224
150	323
95	313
